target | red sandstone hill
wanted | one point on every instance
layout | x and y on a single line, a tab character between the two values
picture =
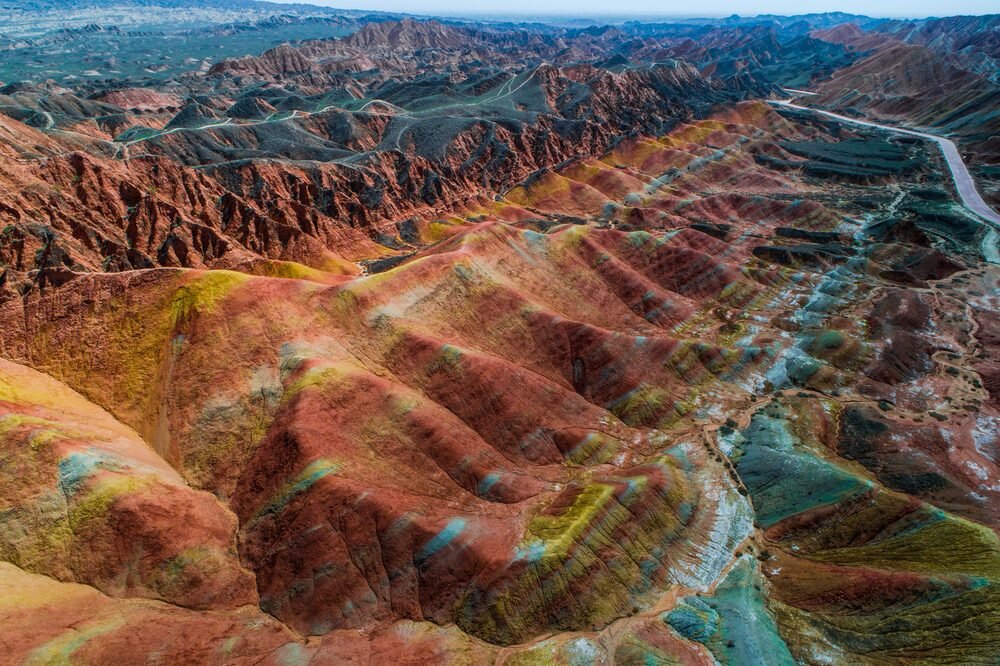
143	99
409	35
280	61
974	40
917	85
853	37
246	188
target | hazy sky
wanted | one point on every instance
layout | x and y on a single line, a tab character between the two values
877	8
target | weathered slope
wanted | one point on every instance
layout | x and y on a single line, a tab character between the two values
86	500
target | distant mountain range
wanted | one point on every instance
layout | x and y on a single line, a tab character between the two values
51	5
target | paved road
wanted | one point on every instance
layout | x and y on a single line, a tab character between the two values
964	182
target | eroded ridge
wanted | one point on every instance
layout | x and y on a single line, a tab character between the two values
720	394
